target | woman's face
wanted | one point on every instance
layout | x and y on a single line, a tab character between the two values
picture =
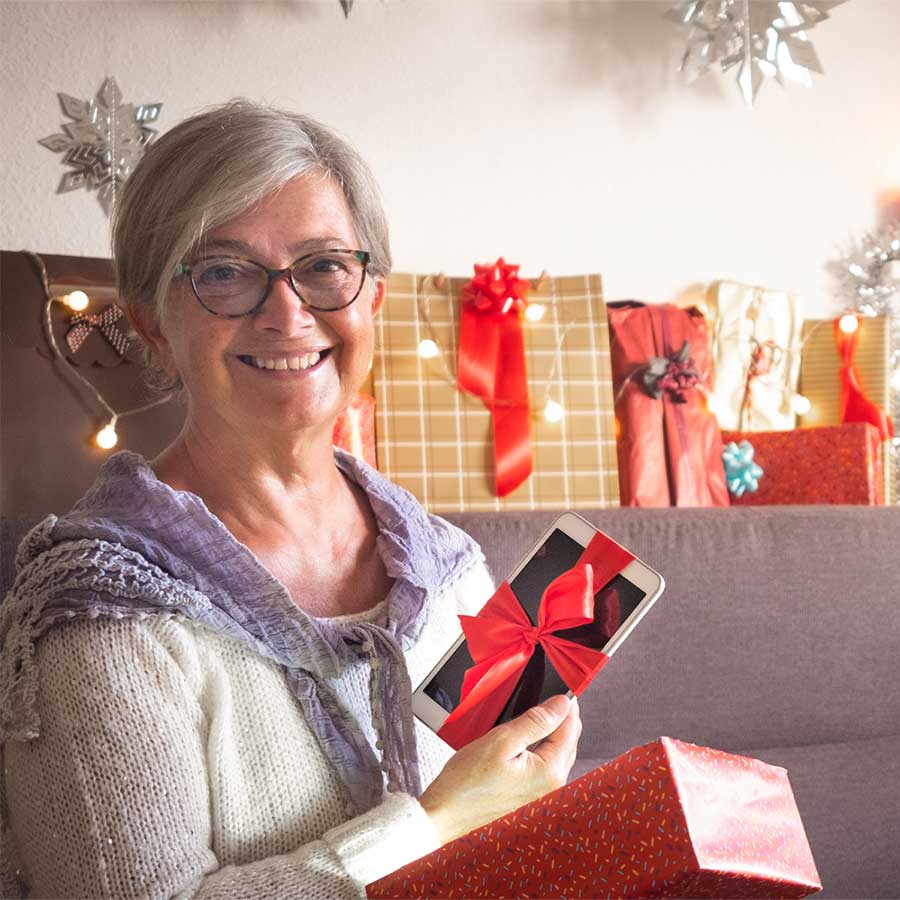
212	354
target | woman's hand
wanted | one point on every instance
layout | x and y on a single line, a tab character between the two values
497	773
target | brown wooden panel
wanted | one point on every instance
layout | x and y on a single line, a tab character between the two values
47	417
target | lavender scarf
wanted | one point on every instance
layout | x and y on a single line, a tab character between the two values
133	547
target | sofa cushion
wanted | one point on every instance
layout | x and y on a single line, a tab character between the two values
853	830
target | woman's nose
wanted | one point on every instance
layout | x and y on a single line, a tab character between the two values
283	310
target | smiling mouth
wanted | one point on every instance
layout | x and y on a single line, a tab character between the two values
286	364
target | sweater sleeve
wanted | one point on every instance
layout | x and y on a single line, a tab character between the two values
113	800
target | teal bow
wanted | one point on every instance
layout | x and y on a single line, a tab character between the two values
741	473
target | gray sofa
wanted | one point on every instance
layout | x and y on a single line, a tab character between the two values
778	637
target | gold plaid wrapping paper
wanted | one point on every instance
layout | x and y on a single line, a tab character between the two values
436	441
820	380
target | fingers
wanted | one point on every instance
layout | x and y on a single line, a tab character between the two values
536	723
560	747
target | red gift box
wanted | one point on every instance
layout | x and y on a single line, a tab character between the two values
667	819
354	429
668	442
833	464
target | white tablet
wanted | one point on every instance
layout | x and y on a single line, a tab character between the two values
620	604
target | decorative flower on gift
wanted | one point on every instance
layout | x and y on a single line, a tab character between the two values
671	375
497	288
741	473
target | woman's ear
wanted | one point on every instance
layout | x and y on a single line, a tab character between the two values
144	321
378	296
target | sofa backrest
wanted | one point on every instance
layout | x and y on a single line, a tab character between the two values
778	625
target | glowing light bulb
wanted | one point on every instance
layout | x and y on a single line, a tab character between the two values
427	349
800	404
848	324
534	312
106	437
553	412
77	300
895	380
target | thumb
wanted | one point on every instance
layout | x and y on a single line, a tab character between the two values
537	723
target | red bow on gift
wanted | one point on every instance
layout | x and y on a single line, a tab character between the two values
491	365
501	639
855	405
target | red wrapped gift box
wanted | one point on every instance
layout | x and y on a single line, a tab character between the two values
667	819
668	442
834	464
354	429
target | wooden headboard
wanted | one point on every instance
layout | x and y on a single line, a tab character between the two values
47	417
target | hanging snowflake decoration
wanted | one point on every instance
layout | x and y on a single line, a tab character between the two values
103	143
869	277
764	38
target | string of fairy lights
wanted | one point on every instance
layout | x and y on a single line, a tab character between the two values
78	301
106	437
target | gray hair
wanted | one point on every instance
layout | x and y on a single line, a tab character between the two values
209	169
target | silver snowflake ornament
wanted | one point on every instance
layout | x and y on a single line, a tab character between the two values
103	142
763	38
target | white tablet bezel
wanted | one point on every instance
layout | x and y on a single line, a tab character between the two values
580	530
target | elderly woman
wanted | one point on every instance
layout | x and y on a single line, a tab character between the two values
207	663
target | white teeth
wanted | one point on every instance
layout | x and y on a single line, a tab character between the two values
295	362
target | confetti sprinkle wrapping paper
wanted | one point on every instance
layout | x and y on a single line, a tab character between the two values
667	819
836	464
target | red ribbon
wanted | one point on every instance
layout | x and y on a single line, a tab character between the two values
501	639
491	365
855	405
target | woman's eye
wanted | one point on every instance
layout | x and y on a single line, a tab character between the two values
328	264
221	272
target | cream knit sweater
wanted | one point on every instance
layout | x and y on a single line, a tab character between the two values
174	762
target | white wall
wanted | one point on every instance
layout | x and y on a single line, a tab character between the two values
557	133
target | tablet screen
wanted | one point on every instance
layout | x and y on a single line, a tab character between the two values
613	604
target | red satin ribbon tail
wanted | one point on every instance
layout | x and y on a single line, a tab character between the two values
478	354
576	664
513	458
855	406
475	716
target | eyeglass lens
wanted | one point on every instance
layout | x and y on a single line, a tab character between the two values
232	287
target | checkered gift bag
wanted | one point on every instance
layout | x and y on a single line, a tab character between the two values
436	441
820	380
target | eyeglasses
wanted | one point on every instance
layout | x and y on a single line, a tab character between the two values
230	286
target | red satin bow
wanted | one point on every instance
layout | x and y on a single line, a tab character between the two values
491	365
855	405
501	640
